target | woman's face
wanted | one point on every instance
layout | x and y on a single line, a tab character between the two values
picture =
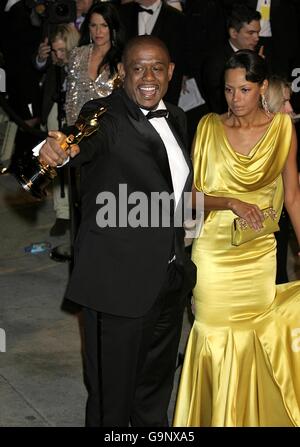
286	105
242	96
99	30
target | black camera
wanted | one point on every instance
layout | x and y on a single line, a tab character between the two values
61	11
54	11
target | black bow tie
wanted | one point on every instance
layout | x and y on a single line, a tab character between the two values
161	113
149	11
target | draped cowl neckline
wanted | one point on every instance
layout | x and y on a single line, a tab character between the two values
255	146
218	168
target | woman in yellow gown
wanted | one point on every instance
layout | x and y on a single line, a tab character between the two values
242	362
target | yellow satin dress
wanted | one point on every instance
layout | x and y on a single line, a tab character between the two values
242	361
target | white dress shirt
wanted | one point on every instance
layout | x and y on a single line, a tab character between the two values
178	166
147	21
264	7
235	49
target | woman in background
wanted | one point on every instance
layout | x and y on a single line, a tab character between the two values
278	95
93	64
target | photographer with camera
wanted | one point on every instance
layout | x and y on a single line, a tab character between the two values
61	21
53	53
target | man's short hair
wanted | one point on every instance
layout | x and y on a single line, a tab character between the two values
145	39
240	15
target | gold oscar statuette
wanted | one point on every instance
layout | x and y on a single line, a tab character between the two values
36	176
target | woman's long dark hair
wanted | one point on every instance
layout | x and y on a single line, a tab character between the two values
110	14
254	65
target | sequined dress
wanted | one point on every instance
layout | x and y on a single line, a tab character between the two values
242	360
80	87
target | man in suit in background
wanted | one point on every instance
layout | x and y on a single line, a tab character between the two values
280	32
18	42
132	281
243	26
82	7
165	22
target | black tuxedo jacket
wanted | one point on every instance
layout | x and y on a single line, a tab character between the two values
213	78
120	270
170	27
206	31
53	90
22	79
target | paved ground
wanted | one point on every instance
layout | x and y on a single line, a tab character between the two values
40	372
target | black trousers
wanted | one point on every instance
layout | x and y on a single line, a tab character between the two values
130	362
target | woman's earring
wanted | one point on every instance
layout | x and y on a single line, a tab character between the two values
228	112
91	40
264	104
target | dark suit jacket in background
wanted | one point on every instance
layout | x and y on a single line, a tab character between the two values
19	40
213	78
206	31
121	270
170	27
52	91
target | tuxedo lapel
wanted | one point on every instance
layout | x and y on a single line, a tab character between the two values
135	22
176	132
132	20
160	22
156	145
173	124
149	134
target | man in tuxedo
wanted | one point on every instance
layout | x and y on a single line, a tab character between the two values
131	279
243	26
82	7
161	20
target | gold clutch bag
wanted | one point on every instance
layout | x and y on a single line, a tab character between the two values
241	232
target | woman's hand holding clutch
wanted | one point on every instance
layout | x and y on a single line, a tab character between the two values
251	213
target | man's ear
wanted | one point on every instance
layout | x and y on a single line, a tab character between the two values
170	70
121	70
232	33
